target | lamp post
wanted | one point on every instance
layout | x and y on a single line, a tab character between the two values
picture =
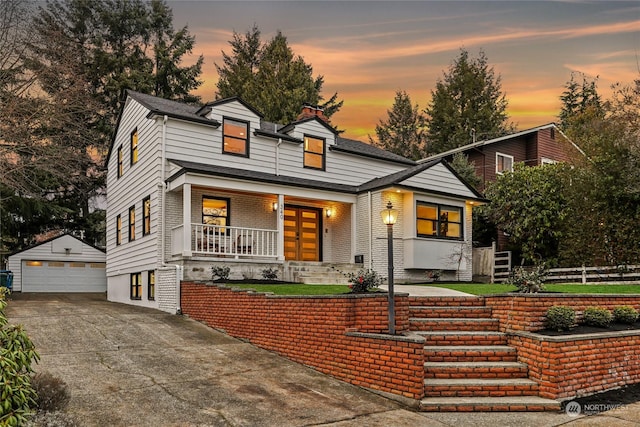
389	217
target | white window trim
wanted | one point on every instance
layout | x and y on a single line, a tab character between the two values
547	161
505	156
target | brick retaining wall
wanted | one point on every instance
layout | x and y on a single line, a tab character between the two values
342	335
526	312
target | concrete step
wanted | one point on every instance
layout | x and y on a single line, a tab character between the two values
489	404
483	370
463	338
447	301
449	312
471	353
453	324
322	279
479	387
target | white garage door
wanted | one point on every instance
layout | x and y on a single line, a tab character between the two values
63	276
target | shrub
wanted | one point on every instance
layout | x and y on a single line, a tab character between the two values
625	314
270	273
597	316
53	393
560	318
364	280
17	353
222	272
528	280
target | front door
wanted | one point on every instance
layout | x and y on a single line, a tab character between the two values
302	233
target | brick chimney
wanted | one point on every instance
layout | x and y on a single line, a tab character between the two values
309	111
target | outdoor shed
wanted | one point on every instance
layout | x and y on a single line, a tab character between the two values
62	264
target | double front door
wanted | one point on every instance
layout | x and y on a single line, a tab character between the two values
302	233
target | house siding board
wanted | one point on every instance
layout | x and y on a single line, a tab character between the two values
439	179
44	252
137	182
557	148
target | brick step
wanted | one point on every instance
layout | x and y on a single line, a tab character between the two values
479	387
463	338
471	353
447	301
449	312
453	324
475	370
489	404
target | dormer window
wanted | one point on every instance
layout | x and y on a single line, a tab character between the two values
314	153
235	137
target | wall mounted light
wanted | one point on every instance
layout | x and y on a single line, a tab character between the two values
274	206
329	212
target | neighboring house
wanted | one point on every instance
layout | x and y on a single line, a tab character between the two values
193	187
60	264
533	147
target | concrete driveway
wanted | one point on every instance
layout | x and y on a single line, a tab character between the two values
129	366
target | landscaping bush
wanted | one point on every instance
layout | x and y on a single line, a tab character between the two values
53	393
625	314
17	353
270	273
597	316
222	272
364	280
560	318
528	279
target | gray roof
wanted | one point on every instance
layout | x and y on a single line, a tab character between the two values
250	175
353	146
171	108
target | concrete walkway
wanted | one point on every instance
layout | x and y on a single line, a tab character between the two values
428	291
129	366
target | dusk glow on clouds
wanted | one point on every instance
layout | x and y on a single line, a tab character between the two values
367	50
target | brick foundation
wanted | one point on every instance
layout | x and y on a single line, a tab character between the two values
337	335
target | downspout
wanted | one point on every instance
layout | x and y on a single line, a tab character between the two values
370	230
277	151
163	237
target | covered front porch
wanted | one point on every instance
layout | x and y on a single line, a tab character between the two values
212	220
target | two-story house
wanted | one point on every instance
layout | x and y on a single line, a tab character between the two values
193	187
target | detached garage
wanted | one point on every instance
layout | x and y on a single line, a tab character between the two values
61	264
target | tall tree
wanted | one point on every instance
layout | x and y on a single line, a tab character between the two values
467	101
577	97
403	132
270	77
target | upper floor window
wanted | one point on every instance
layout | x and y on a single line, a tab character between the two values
314	153
134	147
235	137
146	215
434	220
118	230
120	158
547	161
504	163
215	212
132	223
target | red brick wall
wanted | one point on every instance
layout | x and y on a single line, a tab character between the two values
325	332
569	366
524	312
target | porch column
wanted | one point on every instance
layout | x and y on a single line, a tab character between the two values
280	221
354	232
186	220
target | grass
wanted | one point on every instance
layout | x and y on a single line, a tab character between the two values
470	288
570	288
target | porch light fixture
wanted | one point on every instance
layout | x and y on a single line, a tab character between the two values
389	217
274	206
329	212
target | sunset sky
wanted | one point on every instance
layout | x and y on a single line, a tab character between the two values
367	50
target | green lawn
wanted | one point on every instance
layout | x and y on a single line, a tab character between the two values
571	288
470	288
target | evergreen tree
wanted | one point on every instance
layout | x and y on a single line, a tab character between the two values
577	97
467	101
403	132
467	170
270	77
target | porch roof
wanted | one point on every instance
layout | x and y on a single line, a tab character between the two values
249	175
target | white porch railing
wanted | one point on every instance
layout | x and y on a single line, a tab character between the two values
233	241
